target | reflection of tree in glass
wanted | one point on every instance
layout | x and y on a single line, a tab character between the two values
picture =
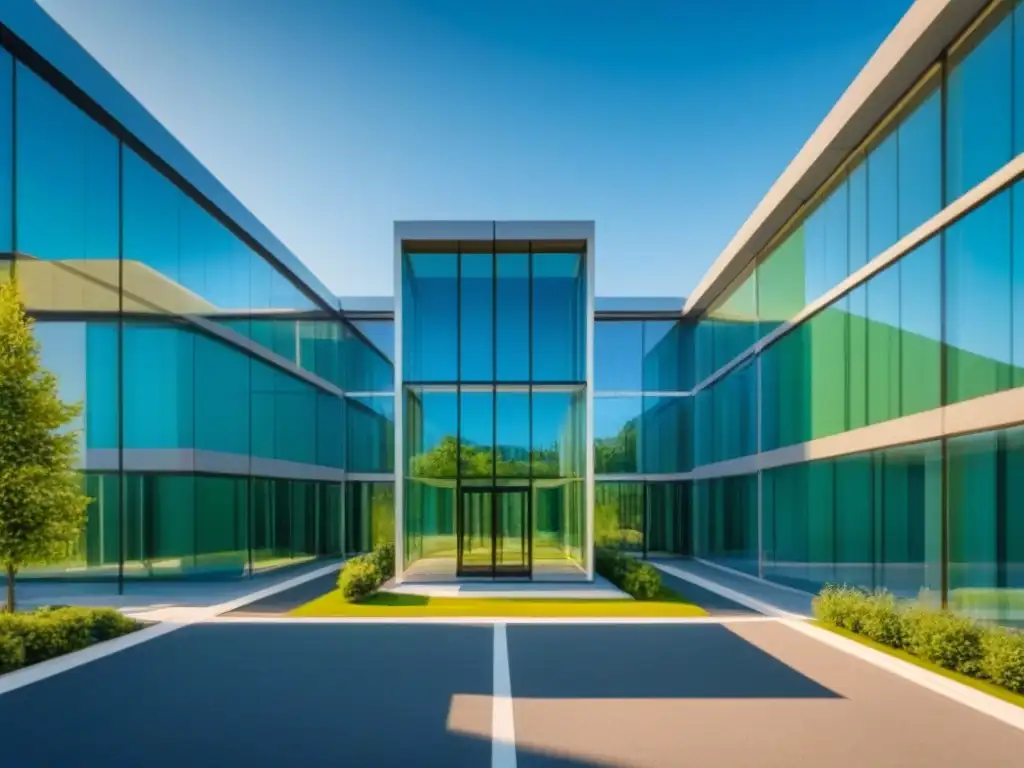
618	453
478	461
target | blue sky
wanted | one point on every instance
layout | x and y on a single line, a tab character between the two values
665	122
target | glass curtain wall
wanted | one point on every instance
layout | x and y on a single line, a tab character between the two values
643	433
212	436
494	388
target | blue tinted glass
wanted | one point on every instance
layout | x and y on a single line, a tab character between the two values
370	434
667	360
330	430
978	110
667	434
6	176
559	309
978	301
102	400
221	397
512	437
431	422
857	191
512	317
920	162
618	355
476	433
159	386
617	442
476	320
381	334
883	226
559	431
430	300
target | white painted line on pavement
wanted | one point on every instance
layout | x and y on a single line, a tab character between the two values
729	594
1008	713
503	725
44	669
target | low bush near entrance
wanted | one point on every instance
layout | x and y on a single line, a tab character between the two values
949	641
28	638
362	576
634	577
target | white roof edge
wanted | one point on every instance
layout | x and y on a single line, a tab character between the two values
926	29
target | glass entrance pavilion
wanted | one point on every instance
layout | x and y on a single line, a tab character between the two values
494	358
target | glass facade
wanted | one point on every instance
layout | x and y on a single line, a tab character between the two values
643	432
215	430
236	420
494	408
897	356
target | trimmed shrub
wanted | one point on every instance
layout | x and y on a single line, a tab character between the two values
634	577
641	580
881	619
951	641
359	579
1002	659
384	558
53	631
12	652
841	606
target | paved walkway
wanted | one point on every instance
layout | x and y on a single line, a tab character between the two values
736	690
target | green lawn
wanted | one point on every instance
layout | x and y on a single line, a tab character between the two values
385	604
981	685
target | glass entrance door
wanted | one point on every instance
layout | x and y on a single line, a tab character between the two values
494	532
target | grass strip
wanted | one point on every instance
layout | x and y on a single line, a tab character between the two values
386	604
980	685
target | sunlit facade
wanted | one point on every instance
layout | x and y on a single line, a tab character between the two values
839	399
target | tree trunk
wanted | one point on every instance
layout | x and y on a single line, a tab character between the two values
11	571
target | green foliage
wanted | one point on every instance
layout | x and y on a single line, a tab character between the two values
51	632
841	606
634	577
384	558
943	638
950	641
359	579
42	507
1002	659
881	619
12	652
479	461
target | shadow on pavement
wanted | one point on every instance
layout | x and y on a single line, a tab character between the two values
290	599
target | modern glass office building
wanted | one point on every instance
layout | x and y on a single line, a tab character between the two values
839	399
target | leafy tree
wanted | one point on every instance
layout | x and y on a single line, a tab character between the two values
42	507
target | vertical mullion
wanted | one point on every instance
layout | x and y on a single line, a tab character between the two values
943	335
529	389
121	480
458	413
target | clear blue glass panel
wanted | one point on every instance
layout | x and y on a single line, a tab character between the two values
559	324
883	196
512	436
667	358
159	388
512	317
102	400
430	299
979	109
920	161
371	434
6	154
477	317
618	355
667	435
979	300
476	435
559	433
330	430
221	397
431	423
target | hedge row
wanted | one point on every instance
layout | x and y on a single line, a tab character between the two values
632	576
362	576
28	638
943	638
